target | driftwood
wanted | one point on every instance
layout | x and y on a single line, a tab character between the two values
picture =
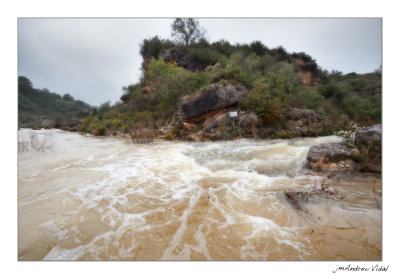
293	199
352	209
325	191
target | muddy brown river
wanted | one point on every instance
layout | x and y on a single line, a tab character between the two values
93	198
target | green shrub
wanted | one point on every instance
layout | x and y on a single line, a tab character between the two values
236	132
261	102
168	136
363	109
258	48
204	56
116	122
158	69
237	58
107	123
284	135
279	53
226	70
170	82
99	130
86	123
125	128
336	91
307	97
153	46
176	131
223	47
91	128
356	157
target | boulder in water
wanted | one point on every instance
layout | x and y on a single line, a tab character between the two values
332	157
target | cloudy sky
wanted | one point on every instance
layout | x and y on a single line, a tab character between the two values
93	58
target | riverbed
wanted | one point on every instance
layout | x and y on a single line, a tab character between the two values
95	198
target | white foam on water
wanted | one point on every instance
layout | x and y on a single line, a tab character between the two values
226	212
57	230
167	254
201	248
284	236
202	243
59	254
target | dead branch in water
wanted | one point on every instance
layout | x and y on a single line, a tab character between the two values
324	190
352	209
293	200
376	200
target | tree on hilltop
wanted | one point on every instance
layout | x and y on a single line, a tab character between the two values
187	30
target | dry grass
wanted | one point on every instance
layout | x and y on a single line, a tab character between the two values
144	136
36	142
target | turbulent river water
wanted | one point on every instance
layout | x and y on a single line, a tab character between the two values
93	198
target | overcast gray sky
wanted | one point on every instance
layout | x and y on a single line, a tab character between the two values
93	58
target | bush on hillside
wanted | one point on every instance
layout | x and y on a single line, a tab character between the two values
153	46
267	107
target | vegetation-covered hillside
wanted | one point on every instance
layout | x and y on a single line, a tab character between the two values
36	104
275	80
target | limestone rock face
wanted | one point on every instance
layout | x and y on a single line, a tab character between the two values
331	152
225	127
306	72
365	136
369	142
175	55
213	98
303	122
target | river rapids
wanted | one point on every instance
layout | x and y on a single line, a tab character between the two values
92	198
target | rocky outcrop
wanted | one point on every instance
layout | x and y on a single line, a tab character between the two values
303	122
175	129
226	127
332	157
208	112
366	156
213	98
369	142
181	57
330	152
175	55
307	72
365	136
